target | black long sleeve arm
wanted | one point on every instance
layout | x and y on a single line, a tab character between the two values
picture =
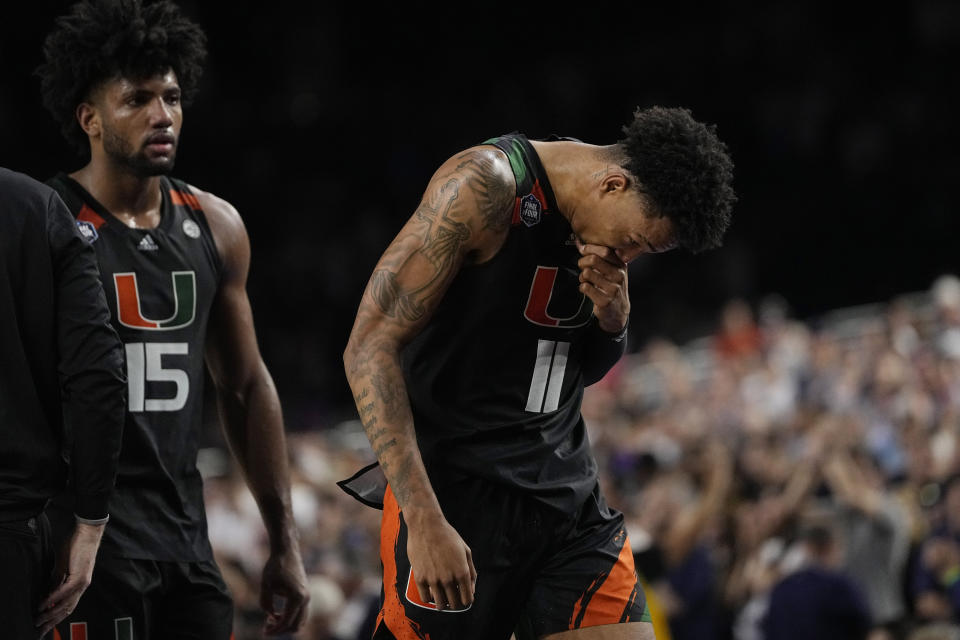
91	365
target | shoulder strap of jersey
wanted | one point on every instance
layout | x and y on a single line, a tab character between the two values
534	193
181	195
64	186
89	213
514	145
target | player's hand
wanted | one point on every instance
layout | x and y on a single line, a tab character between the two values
603	279
283	592
442	564
76	571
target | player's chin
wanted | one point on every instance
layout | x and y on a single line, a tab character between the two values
158	166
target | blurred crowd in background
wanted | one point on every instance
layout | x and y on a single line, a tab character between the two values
773	463
780	479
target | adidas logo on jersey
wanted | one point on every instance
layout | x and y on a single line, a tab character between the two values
148	244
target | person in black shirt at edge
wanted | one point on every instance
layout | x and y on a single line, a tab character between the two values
173	261
499	300
62	389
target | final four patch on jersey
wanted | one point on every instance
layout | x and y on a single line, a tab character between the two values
530	209
87	230
191	228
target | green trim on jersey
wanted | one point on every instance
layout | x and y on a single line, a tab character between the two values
517	157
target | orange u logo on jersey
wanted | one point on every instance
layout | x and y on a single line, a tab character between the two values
129	313
541	293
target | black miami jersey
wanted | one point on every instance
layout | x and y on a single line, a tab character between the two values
160	284
496	377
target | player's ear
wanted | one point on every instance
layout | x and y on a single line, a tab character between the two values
616	181
88	118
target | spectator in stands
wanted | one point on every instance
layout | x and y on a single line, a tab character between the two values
817	601
876	530
936	579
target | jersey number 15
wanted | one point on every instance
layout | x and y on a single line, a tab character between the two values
145	364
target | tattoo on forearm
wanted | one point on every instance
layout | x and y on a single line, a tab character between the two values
365	409
388	392
382	438
399	476
383	447
376	435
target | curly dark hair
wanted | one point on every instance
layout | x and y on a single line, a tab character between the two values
685	171
104	39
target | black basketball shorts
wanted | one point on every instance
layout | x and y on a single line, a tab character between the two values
151	600
538	570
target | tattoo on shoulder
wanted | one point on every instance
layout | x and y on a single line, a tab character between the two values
494	195
440	238
433	246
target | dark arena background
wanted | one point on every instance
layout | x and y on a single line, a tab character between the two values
809	367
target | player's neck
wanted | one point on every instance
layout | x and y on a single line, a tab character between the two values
572	169
134	199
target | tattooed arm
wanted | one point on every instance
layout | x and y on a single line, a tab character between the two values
462	219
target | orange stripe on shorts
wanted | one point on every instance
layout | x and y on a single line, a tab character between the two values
616	592
392	613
